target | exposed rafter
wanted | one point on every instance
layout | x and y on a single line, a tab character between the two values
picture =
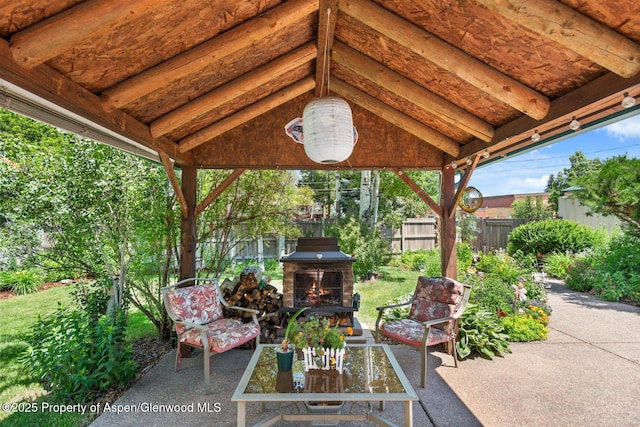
234	89
196	59
573	30
449	58
411	92
397	118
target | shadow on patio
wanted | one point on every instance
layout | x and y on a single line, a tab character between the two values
186	404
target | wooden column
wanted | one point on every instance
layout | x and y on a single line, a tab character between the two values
449	261
188	225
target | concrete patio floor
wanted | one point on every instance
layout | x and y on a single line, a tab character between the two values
586	374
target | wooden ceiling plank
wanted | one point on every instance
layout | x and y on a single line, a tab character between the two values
573	30
218	190
48	84
173	179
196	59
410	91
252	111
396	117
51	37
448	57
232	90
327	13
419	192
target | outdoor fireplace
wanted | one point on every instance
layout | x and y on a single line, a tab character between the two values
319	276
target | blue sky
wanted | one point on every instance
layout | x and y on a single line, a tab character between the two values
528	172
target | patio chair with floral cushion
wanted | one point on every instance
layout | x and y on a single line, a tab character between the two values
199	322
436	306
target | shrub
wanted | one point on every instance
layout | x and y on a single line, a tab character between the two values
502	266
552	236
75	357
557	265
491	293
481	332
21	281
464	255
422	260
524	328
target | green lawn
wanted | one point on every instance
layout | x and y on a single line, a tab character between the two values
392	284
17	315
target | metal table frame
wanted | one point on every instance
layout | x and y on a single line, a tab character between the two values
242	398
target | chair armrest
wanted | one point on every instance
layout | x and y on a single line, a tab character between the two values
381	310
191	325
385	307
430	323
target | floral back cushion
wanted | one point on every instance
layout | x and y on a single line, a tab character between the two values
196	304
436	297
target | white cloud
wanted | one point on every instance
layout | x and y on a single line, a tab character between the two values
626	129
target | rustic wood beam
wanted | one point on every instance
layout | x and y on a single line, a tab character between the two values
242	116
448	57
53	87
232	90
51	37
419	191
564	107
462	185
449	258
573	30
175	183
188	229
410	91
198	58
396	117
327	13
218	190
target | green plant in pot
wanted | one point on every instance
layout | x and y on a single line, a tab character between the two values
284	352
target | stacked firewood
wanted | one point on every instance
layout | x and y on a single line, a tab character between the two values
250	291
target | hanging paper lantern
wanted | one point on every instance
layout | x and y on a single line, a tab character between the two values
329	134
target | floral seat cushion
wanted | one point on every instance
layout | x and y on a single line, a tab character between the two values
411	332
200	305
222	334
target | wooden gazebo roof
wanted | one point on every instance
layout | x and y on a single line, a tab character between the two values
212	84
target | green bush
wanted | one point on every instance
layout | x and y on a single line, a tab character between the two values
557	265
21	281
398	313
427	262
612	274
524	328
75	357
481	332
491	293
501	265
552	236
464	255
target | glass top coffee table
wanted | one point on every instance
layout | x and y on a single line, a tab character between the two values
371	374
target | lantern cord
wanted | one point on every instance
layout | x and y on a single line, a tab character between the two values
325	67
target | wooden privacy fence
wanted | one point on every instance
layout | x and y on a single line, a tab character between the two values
415	234
493	234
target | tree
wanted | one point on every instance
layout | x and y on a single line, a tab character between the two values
614	189
580	166
531	209
110	214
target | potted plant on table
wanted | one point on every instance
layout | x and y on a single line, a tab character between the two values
284	352
322	345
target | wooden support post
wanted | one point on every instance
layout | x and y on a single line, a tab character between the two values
449	260
188	225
